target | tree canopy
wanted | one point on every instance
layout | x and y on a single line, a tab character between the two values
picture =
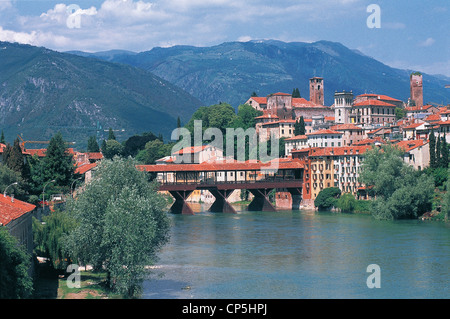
327	198
58	164
121	224
15	283
401	192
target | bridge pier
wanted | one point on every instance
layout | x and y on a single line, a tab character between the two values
261	201
180	206
296	195
221	205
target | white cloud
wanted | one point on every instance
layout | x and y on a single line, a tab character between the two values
245	38
19	37
428	42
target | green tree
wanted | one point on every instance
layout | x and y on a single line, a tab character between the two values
444	153
7	178
401	192
245	117
58	165
111	135
154	150
399	113
347	202
14	158
92	145
15	283
122	224
299	127
113	148
432	145
296	93
136	143
48	237
2	138
446	199
178	122
327	198
438	152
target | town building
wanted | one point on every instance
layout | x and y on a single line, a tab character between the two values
351	133
325	138
416	89
343	107
416	153
197	154
372	112
316	90
16	216
276	129
295	143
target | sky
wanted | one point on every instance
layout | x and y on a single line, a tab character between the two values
406	34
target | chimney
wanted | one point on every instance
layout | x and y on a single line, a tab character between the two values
12	198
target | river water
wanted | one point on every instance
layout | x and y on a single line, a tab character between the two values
300	255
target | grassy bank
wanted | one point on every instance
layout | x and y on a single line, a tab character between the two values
92	286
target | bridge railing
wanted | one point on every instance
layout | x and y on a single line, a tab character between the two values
216	182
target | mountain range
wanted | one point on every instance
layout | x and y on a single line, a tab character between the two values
82	94
44	91
232	71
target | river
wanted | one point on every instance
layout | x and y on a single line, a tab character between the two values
300	255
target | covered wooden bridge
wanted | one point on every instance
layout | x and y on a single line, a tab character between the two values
222	178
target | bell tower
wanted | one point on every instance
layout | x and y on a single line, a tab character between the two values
316	90
416	87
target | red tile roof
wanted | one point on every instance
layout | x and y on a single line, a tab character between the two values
387	98
412	126
259	100
379	97
433	117
373	103
444	122
324	131
339	151
301	102
191	150
85	168
375	130
267	116
418	108
221	166
281	93
94	155
298	137
410	145
368	141
13	209
279	122
38	152
345	127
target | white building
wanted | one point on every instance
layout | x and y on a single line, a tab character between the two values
324	138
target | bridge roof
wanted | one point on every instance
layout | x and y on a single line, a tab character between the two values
223	166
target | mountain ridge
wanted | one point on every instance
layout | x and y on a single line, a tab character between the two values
231	71
44	91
